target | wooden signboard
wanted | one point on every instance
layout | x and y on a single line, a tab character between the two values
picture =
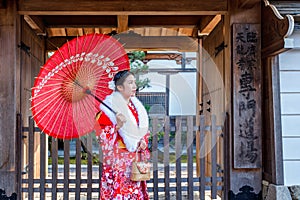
247	95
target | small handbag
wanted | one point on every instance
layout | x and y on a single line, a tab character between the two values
140	169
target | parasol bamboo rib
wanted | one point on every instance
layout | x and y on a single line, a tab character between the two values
68	75
49	109
48	85
82	109
68	110
52	99
51	116
39	95
107	49
58	117
87	108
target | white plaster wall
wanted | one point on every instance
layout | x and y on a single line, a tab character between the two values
182	86
289	63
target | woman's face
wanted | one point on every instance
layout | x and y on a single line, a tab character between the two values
128	88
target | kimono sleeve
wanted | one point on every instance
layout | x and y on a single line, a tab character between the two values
105	129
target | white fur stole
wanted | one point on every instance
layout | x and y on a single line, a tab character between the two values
131	132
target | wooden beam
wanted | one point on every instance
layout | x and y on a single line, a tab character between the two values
246	4
36	23
137	42
121	7
56	31
10	88
133	41
122	23
167	56
207	29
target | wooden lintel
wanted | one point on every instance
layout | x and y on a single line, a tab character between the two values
104	12
36	23
121	7
136	42
122	23
163	56
168	56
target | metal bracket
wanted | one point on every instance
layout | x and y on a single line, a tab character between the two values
219	48
24	47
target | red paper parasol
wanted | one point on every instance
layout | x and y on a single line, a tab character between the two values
70	86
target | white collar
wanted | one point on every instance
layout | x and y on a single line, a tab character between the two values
130	132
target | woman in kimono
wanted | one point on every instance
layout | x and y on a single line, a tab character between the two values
120	136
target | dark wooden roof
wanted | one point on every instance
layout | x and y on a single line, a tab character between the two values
289	8
57	19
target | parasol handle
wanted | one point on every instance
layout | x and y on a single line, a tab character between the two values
87	91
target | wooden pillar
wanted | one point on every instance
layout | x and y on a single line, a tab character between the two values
276	30
242	181
9	98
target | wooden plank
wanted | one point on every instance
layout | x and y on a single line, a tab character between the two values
10	94
190	166
30	158
135	41
89	166
178	152
199	104
36	23
54	156
226	148
155	156
190	31
277	160
228	98
167	158
166	21
56	31
213	157
71	32
43	156
78	169
206	29
202	157
122	23
247	96
89	30
66	7
66	168
19	137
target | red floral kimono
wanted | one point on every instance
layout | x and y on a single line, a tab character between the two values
117	162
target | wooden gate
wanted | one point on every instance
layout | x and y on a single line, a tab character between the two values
173	144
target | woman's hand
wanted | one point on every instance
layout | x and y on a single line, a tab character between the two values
120	120
142	144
